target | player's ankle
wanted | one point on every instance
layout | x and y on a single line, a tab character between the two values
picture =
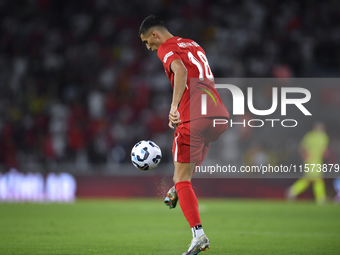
197	231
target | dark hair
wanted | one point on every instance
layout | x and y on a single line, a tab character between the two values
149	22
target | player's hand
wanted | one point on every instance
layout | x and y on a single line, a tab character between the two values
174	117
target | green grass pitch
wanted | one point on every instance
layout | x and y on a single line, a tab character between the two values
146	226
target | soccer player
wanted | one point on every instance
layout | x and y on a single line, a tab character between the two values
312	149
183	60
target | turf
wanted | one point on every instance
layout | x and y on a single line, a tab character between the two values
146	226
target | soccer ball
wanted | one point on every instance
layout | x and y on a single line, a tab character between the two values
146	155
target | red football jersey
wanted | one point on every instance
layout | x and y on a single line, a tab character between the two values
199	79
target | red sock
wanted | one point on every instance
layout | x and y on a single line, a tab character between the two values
188	202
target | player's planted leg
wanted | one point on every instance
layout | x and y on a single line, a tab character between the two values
319	190
189	206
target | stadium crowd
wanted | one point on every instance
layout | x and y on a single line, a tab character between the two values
78	85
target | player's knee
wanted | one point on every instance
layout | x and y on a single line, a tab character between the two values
176	179
181	178
182	172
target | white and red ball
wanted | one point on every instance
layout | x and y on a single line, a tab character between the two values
146	155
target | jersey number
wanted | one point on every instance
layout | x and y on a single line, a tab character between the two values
204	60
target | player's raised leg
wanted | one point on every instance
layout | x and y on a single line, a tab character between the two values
171	198
189	205
297	188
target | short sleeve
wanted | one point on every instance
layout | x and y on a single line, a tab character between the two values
167	53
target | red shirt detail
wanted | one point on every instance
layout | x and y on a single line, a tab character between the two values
180	48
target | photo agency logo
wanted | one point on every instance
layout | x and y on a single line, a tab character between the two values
238	107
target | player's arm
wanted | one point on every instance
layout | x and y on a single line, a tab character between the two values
180	80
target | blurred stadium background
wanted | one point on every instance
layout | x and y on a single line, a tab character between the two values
79	89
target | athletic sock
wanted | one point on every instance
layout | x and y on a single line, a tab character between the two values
188	203
197	231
